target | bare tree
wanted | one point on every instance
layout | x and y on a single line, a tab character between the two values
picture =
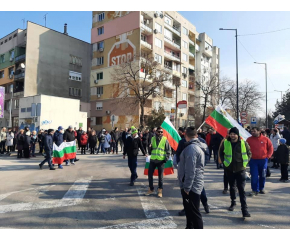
138	80
226	87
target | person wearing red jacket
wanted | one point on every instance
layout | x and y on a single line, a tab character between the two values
262	150
83	142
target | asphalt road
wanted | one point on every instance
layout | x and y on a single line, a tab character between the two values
95	193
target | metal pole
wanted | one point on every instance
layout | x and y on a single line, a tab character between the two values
10	110
266	96
176	106
237	72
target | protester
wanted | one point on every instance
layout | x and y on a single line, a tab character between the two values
79	134
120	141
145	137
33	143
101	139
107	142
3	137
26	145
48	148
215	143
83	142
282	157
69	136
159	156
89	132
235	154
20	143
9	141
114	139
58	139
286	135
208	139
93	141
201	134
14	139
190	176
274	137
40	140
124	136
262	150
133	143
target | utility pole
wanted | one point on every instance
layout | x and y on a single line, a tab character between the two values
45	19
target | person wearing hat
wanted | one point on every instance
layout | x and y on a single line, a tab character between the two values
58	139
131	148
69	136
235	154
48	148
282	157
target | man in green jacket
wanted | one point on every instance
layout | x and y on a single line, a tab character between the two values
235	154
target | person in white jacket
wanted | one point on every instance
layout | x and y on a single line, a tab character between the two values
9	141
274	137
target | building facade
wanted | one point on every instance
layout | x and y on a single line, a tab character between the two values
173	42
39	60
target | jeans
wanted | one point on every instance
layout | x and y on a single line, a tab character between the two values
40	147
191	204
160	167
47	158
2	146
113	147
240	179
284	171
203	197
215	155
83	149
101	145
32	149
258	170
226	181
132	163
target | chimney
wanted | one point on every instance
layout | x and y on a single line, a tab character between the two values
65	29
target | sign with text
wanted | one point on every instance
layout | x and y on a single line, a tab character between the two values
244	114
253	120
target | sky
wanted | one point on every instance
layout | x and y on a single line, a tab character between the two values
271	48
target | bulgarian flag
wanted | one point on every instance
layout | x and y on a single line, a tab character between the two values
65	151
173	138
221	121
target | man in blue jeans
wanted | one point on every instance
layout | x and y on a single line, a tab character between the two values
131	148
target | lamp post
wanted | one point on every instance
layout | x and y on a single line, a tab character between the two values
10	108
266	92
237	68
280	92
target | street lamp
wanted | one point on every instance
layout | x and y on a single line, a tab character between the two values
280	92
266	92
237	68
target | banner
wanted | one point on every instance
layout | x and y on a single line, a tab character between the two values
2	99
65	151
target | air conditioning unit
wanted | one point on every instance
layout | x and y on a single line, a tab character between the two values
155	31
108	112
98	95
184	75
181	114
147	22
11	59
156	15
96	81
11	76
101	49
161	15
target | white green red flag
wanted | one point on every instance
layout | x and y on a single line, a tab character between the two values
65	151
221	121
168	168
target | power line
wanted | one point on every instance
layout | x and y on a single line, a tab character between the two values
252	34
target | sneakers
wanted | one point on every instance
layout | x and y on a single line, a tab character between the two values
51	168
67	164
40	166
206	208
76	160
149	192
225	191
72	163
181	213
60	166
262	192
159	194
246	214
131	184
253	194
232	207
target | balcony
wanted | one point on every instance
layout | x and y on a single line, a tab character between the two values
18	94
148	14
191	66
172	29
191	42
19	76
145	29
146	45
169	68
171	44
171	57
197	47
191	54
20	58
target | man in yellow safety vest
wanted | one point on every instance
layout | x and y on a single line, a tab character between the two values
235	154
160	153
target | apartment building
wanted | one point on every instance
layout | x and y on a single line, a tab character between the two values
38	60
173	41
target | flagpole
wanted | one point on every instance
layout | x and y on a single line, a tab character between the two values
201	125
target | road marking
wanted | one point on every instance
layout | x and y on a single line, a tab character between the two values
72	197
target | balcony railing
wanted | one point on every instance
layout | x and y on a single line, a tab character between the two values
191	66
176	31
146	44
172	57
191	54
168	67
145	28
19	76
19	58
171	42
191	42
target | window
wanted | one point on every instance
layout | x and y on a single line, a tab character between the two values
99	120
100	30
167	34
100	61
75	92
99	106
75	76
158	27
184	70
76	60
185	31
15	35
100	76
16	104
6	40
184	96
23	109
2	74
185	44
100	45
144	38
184	83
11	71
2	58
1	43
101	17
184	57
168	20
12	54
158	42
28	109
100	90
158	58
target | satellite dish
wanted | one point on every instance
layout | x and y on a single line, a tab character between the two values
22	65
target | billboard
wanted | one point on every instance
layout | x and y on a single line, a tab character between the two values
2	99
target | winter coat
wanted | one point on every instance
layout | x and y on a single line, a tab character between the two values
114	136
132	146
286	135
9	141
20	141
151	135
215	141
58	138
145	138
3	136
101	137
79	134
107	141
275	140
48	142
93	141
84	139
282	154
33	140
27	140
69	136
261	147
124	136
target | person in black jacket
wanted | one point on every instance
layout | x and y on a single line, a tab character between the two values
40	137
124	135
20	143
26	145
93	141
114	139
48	148
282	157
131	148
69	136
215	143
145	139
